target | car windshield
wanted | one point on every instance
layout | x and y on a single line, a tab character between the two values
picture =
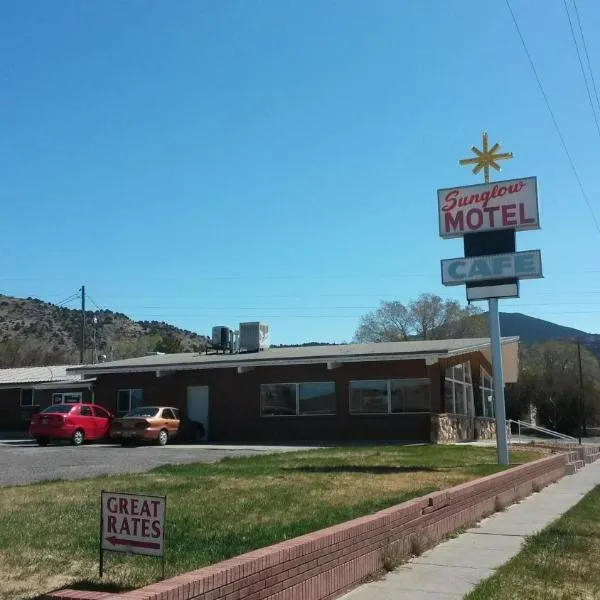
59	408
143	411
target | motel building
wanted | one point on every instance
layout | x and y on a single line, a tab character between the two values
25	391
428	391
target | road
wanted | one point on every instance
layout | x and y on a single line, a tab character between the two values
25	462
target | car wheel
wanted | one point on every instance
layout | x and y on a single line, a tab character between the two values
163	437
42	441
77	438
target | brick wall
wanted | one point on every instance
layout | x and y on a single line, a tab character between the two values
14	417
324	564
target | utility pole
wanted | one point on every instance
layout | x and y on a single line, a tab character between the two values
581	399
94	352
82	351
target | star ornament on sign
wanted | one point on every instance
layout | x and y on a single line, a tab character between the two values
486	158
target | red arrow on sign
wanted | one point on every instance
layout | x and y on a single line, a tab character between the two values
115	541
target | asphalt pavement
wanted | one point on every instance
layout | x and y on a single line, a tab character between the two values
23	462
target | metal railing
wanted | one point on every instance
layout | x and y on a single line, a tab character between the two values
563	437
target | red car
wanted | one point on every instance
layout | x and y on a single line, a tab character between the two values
74	422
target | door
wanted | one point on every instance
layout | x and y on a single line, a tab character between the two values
87	422
102	421
197	411
171	421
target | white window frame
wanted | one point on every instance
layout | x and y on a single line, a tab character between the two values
297	414
487	406
469	400
389	397
130	390
62	397
32	397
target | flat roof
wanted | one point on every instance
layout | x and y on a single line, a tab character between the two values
430	350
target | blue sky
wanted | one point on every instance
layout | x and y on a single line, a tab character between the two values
206	163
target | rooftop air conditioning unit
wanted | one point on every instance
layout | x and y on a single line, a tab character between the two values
221	337
254	336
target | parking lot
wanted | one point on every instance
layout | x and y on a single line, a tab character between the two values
23	462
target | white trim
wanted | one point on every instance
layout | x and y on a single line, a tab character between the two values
469	400
483	389
67	385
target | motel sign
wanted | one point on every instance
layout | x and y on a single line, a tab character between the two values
509	204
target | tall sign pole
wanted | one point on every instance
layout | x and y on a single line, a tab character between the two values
483	160
487	216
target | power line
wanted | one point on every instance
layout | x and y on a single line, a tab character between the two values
554	121
93	302
69	299
583	73
587	56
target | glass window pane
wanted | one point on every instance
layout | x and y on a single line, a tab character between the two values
450	373
460	398
26	397
136	398
470	404
85	411
458	373
123	401
467	372
99	412
368	396
448	396
57	398
409	395
278	399
316	398
489	404
72	398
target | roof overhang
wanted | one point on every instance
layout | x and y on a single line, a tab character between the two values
245	363
83	384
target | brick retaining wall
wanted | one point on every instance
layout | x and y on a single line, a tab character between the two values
324	564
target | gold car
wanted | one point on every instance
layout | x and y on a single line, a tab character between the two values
157	424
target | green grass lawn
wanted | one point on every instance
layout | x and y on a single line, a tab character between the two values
560	562
49	531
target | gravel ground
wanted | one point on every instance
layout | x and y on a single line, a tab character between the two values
22	463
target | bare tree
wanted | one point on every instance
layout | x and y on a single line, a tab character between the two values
428	317
391	322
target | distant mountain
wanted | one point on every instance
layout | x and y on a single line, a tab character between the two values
532	329
36	332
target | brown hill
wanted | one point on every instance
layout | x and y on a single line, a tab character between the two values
36	332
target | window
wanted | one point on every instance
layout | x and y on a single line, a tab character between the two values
486	394
168	414
369	396
292	399
27	397
85	411
382	396
316	398
145	411
63	408
128	400
100	412
66	397
458	390
409	395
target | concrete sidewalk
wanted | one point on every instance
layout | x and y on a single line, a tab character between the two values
454	568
